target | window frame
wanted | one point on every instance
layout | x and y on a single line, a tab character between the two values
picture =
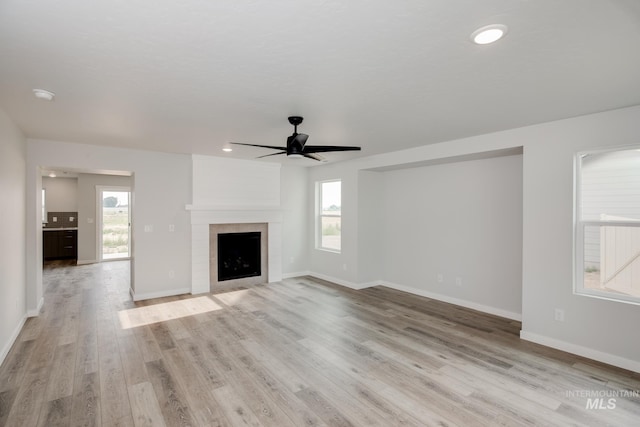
320	215
579	232
44	218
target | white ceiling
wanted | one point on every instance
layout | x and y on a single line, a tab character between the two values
188	77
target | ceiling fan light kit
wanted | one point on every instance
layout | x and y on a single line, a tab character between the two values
296	145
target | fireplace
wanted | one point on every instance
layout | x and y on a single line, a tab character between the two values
208	221
238	255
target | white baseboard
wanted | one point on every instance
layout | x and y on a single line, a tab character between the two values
36	312
590	353
420	292
296	274
151	295
12	339
345	283
86	261
451	300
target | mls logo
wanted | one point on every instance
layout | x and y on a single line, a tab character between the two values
601	403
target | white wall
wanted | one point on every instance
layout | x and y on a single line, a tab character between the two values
62	194
338	267
162	190
223	182
596	328
372	225
295	219
600	329
13	308
462	220
87	215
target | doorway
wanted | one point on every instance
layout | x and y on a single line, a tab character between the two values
114	223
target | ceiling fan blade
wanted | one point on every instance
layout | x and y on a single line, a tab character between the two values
274	154
314	157
257	145
326	148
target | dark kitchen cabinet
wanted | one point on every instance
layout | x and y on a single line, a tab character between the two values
60	244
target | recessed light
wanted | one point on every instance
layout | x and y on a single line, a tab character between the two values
45	95
52	174
489	34
227	149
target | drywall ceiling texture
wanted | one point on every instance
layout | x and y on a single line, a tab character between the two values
188	77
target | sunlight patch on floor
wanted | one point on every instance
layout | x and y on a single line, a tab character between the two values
233	297
147	315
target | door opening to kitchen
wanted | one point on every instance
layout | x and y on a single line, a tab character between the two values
114	230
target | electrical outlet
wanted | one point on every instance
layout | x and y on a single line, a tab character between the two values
148	228
458	281
172	274
559	315
172	228
54	219
440	278
344	267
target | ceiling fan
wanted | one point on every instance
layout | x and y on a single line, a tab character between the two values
296	145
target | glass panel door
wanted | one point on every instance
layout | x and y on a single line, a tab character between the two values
115	224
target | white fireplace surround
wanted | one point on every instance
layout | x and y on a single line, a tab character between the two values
202	216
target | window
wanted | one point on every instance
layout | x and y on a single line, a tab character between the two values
329	228
607	234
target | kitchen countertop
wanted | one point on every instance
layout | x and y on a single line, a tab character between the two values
58	228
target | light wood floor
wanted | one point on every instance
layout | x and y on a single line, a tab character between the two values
295	353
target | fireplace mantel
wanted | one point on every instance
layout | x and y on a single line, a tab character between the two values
204	215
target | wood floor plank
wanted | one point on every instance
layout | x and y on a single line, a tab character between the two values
56	413
323	408
144	405
297	352
133	365
147	344
86	403
7	398
61	380
198	394
28	403
170	396
235	408
15	365
115	406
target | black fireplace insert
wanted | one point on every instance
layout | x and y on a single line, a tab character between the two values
238	255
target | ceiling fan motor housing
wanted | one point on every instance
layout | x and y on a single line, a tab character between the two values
295	120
